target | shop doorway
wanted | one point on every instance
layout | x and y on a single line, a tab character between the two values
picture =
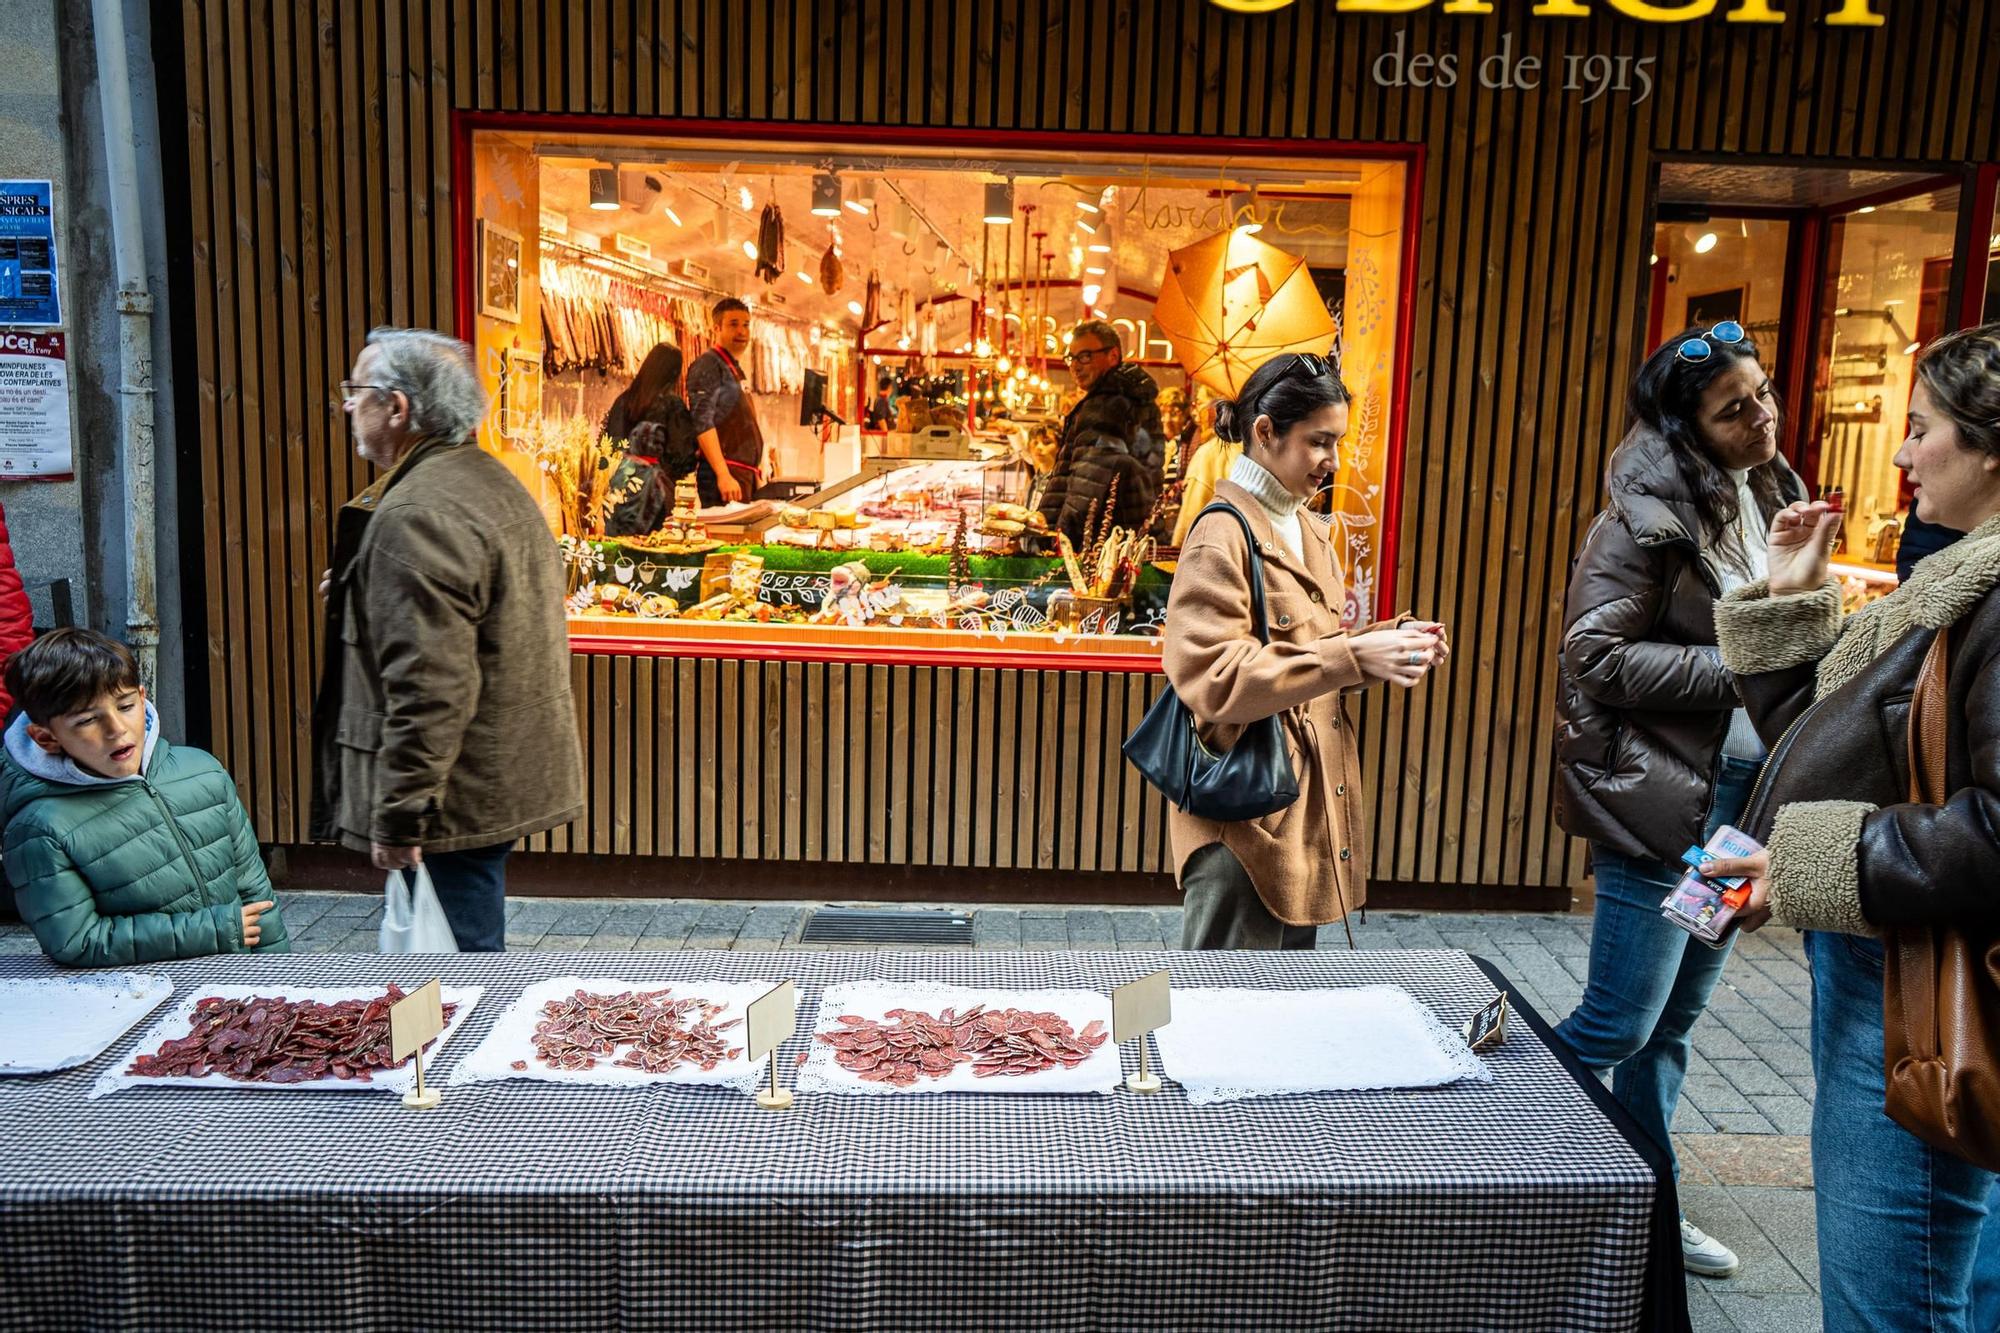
1842	276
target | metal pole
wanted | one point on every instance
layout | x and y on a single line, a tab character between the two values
135	333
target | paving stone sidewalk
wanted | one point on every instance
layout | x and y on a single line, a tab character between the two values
1740	1129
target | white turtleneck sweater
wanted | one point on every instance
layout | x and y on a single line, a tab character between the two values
1743	742
1279	504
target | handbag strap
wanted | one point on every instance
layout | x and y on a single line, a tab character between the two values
1930	715
1256	562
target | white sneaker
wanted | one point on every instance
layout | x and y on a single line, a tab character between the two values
1704	1255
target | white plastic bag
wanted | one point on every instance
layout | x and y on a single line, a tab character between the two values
412	918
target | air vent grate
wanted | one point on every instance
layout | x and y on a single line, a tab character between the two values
865	925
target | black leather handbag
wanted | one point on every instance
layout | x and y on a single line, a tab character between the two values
1253	777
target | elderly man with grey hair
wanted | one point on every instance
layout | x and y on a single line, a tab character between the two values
444	729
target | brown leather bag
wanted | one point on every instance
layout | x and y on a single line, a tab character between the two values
1941	985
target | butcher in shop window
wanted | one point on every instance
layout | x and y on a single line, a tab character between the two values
732	447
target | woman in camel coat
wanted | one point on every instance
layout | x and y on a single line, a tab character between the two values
1270	883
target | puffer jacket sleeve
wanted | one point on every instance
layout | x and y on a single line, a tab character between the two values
57	905
1612	605
253	881
425	601
1213	658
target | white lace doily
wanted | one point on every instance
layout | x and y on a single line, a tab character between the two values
179	1021
59	1022
873	999
512	1037
1225	1045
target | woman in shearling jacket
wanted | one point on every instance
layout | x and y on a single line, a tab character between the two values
1270	883
1653	751
1846	851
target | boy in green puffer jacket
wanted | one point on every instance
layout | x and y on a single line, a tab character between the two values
121	848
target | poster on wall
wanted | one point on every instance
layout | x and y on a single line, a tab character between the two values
28	287
34	407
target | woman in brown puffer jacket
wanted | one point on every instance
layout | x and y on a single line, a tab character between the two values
1654	753
1269	883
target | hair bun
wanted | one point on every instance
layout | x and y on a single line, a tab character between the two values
1227	427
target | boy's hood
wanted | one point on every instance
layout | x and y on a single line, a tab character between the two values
59	770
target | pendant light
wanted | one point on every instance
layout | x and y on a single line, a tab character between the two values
826	195
604	189
999	203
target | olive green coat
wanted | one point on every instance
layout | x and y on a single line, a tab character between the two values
444	718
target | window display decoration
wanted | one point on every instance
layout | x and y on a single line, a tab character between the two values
499	272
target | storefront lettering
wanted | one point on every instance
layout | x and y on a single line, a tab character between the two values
1593	75
1847	14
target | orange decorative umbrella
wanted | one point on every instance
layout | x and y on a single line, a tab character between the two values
1231	302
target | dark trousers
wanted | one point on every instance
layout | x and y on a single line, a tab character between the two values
472	888
1221	910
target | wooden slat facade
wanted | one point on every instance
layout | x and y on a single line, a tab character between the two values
321	202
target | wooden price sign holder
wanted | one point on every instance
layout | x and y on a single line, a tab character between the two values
771	1018
413	1021
1137	1008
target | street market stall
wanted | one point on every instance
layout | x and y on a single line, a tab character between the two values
1527	1201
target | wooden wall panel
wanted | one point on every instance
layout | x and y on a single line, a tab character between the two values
321	204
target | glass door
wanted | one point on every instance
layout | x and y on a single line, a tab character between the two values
1883	294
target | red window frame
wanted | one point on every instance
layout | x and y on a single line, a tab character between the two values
464	124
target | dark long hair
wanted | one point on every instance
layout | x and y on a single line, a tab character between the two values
1283	390
1667	397
659	373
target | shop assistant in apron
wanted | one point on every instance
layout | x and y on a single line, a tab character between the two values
720	400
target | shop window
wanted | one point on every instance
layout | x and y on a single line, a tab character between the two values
904	380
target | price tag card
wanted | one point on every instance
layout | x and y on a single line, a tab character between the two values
771	1018
415	1019
1488	1028
1140	1006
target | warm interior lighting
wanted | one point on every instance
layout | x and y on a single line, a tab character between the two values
826	195
1706	243
604	189
999	203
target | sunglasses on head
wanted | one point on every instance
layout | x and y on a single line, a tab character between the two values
1701	347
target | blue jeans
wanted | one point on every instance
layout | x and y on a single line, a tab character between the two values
1986	1269
472	888
1899	1222
1649	979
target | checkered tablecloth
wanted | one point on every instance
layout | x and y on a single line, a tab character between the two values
522	1205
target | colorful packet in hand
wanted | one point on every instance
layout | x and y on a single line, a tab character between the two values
1706	907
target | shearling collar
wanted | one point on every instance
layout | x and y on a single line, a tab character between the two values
1943	588
1948	583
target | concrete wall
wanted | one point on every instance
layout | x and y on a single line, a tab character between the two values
51	125
47	520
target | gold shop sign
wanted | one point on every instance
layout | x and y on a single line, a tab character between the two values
1840	13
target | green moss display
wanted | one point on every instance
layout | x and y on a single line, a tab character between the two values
799	560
